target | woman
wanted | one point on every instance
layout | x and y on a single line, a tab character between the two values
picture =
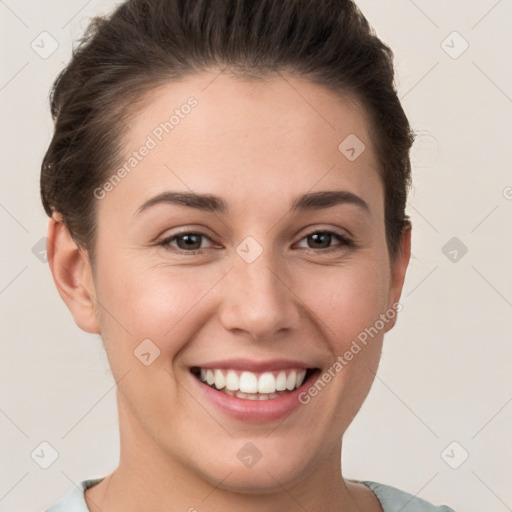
227	184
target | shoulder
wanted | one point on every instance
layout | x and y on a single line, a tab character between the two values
394	500
391	499
74	500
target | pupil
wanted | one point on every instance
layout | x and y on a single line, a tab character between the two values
315	237
189	241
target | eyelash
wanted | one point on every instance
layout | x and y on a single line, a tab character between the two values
345	242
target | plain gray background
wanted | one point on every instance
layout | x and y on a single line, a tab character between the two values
443	391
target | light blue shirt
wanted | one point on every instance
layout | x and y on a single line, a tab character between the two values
391	499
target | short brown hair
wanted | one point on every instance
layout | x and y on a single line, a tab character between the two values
146	43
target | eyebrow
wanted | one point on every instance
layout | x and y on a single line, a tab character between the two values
215	204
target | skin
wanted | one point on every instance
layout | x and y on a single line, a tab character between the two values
257	145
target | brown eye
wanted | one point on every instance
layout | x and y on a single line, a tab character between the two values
185	242
321	241
189	241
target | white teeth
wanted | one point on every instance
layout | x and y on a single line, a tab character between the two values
232	381
253	396
290	381
220	380
281	381
252	386
300	378
248	383
266	383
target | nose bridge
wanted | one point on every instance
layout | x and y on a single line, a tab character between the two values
258	299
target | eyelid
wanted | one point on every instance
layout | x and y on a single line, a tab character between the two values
188	230
311	229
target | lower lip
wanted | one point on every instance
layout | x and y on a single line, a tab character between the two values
255	411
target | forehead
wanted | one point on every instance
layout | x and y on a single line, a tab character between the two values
277	137
226	104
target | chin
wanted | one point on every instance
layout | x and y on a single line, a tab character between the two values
272	471
262	481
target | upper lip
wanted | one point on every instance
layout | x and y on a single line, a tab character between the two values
254	366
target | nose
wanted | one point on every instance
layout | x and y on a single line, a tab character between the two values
258	299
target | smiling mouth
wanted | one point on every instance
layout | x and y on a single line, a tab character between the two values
254	385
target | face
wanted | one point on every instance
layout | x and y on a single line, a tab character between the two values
254	290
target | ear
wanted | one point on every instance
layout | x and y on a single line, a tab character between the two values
398	270
72	274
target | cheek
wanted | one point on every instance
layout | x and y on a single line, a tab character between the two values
153	303
347	300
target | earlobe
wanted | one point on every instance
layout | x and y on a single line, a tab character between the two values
72	274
